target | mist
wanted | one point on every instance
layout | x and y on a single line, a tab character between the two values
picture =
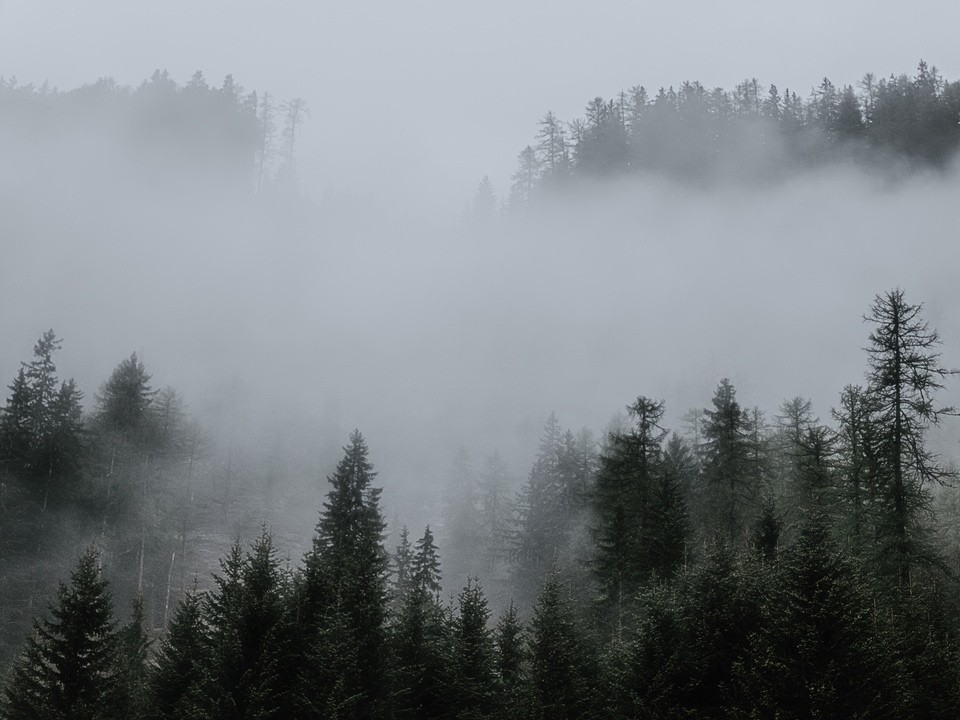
305	317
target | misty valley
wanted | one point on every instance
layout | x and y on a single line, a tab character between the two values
665	430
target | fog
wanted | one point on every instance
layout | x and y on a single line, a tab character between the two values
413	103
365	302
302	319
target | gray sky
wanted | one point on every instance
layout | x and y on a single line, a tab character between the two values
412	102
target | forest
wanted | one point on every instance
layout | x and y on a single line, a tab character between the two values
748	134
739	568
740	564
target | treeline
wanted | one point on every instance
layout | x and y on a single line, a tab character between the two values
162	125
133	475
739	569
700	134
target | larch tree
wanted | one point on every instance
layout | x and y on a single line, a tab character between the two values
904	373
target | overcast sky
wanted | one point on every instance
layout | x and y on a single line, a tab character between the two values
413	102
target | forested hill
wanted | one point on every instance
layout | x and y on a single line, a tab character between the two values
153	130
741	568
750	132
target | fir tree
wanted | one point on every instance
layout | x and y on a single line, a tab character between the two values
183	664
557	658
69	667
343	588
426	564
473	682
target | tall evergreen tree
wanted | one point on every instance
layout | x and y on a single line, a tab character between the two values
904	374
730	485
183	664
558	662
343	589
822	652
511	664
70	666
426	564
637	507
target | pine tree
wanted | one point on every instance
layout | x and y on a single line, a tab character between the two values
125	401
41	428
249	636
821	653
557	658
426	564
402	568
904	373
473	681
422	653
16	436
637	508
69	667
134	651
511	664
731	487
183	664
857	469
342	592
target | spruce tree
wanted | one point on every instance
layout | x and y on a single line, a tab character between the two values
402	579
183	664
638	509
474	669
731	486
70	667
423	656
426	564
342	591
511	664
821	652
557	657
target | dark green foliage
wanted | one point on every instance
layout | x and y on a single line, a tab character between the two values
730	480
423	655
511	663
41	428
182	664
639	509
125	401
558	658
70	667
249	637
821	652
474	664
904	373
402	579
721	615
426	564
342	592
661	662
857	469
134	656
712	136
766	531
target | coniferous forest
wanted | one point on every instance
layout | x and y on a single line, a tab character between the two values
733	564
